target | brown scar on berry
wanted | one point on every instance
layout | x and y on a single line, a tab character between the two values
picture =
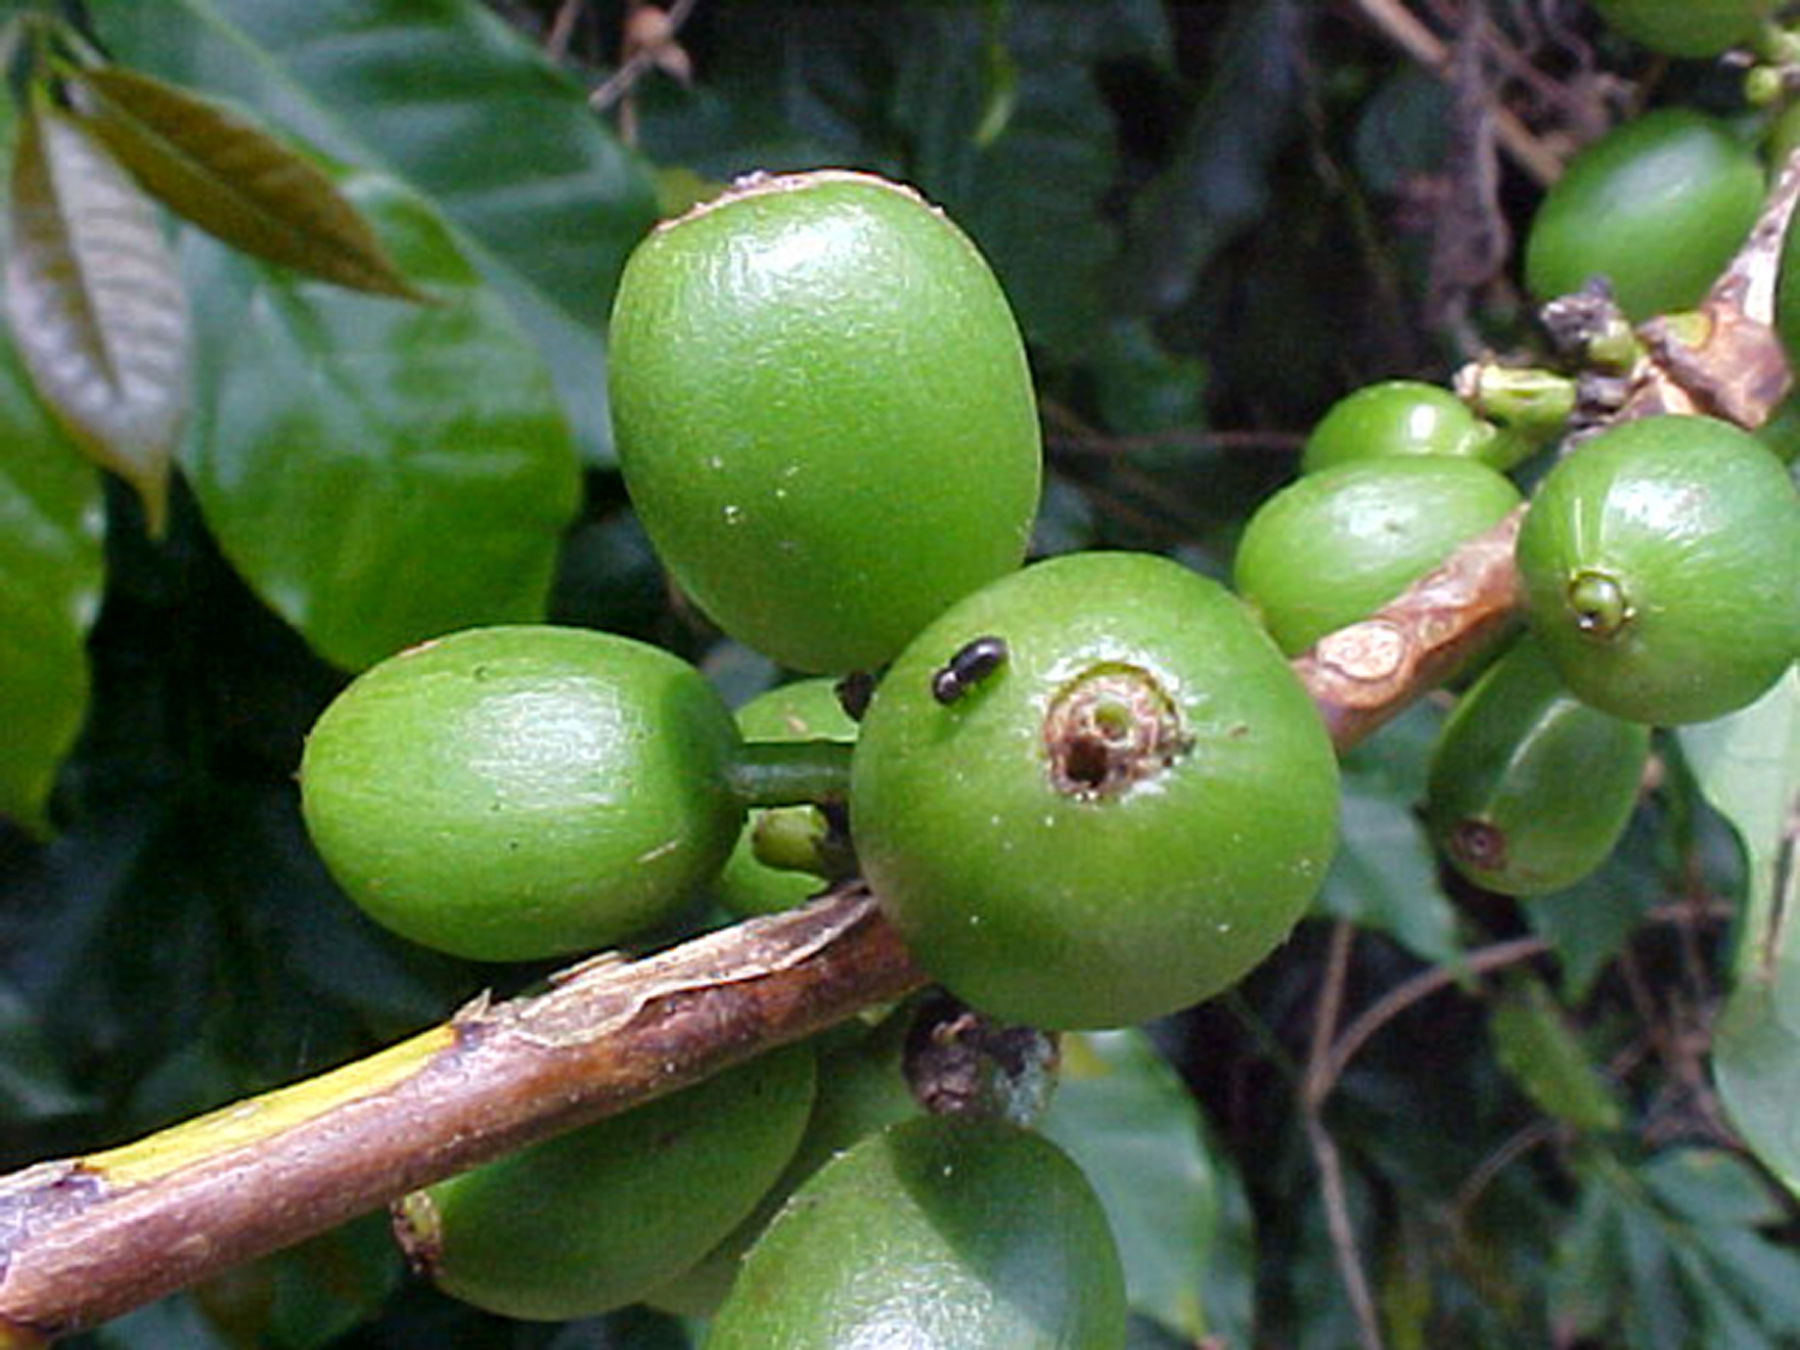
1112	726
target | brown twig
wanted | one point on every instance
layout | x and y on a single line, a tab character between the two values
1402	996
1727	360
85	1239
1474	1186
1324	1148
1401	27
1362	675
1327	1009
1343	1233
1177	438
1067	430
640	60
562	28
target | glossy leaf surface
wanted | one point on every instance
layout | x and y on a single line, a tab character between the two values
1032	195
49	593
1749	767
95	302
381	472
1173	1201
1384	878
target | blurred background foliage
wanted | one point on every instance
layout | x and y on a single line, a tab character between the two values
1437	1112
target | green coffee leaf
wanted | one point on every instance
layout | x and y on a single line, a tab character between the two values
50	580
1588	924
232	179
1405	130
1384	877
916	92
1536	1046
316	1292
1588	1269
1748	765
464	109
95	302
1648	1260
156	1326
1219	183
1711	1186
1183	1229
379	472
1141	386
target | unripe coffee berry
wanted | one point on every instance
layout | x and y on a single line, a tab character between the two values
1661	569
824	414
522	792
1120	819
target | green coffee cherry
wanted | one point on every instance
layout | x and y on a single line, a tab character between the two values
862	1089
1120	820
1661	568
1334	546
1530	788
936	1232
1398	417
599	1217
1657	206
522	792
803	711
824	415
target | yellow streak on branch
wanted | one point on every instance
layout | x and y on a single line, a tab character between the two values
257	1119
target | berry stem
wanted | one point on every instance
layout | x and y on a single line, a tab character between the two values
1530	405
791	773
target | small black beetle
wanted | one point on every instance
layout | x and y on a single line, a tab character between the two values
974	662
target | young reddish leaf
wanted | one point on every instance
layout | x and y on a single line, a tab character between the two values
96	304
212	166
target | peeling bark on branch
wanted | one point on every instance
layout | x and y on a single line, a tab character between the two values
86	1239
1362	675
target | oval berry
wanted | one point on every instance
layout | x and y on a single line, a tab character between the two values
597	1218
935	1232
1121	820
1397	417
521	792
1657	206
1661	569
1530	788
862	1088
824	415
1332	547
